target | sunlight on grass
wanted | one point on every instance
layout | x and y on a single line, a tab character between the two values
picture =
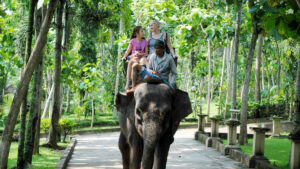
213	109
277	150
47	159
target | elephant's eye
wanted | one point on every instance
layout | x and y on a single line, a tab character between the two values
139	115
139	111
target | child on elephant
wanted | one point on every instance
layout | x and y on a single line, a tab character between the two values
160	66
138	46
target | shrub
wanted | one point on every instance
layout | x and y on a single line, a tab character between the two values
3	118
220	117
265	108
45	125
66	126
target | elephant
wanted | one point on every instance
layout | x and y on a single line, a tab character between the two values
148	120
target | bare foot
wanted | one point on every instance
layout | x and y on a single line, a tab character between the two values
129	91
126	87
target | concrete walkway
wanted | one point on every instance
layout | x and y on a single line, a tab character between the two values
101	151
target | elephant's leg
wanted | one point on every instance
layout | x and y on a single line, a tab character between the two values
136	150
161	152
125	151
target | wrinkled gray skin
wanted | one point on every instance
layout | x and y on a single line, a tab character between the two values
149	119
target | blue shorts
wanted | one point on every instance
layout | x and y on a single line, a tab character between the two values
144	72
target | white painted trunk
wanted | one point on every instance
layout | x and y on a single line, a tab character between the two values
222	78
209	79
229	56
93	110
48	102
263	72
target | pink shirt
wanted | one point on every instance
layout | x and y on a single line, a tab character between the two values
138	46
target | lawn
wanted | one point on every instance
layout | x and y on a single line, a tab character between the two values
213	109
277	150
103	119
47	159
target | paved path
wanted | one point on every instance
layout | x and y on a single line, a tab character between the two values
101	151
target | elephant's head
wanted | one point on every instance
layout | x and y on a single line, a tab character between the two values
155	109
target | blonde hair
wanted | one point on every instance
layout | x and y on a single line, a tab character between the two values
155	21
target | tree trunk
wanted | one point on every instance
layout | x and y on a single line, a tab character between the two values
61	100
54	131
93	110
213	77
279	68
64	49
273	79
235	59
35	107
48	102
65	46
263	71
257	72
209	79
200	93
269	92
287	89
228	75
111	45
117	66
291	103
243	120
21	158
36	146
23	86
68	99
222	77
187	72
3	80
192	67
296	120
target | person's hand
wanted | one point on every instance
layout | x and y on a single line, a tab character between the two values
139	54
175	56
156	73
124	59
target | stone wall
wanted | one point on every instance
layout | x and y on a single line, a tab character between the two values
285	126
234	154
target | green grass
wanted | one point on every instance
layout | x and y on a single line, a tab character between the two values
96	128
100	120
213	109
277	150
47	159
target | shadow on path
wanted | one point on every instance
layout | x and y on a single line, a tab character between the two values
101	151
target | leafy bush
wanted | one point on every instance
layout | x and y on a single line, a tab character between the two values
45	125
218	116
265	108
66	127
3	118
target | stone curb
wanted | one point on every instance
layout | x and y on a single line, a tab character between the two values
118	129
66	155
234	154
97	131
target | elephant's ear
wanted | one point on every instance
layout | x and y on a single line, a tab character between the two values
181	107
123	101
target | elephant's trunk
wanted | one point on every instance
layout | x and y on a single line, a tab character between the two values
151	134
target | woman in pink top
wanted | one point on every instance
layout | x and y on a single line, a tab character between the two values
138	46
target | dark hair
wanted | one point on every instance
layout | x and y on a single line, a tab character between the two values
135	31
159	43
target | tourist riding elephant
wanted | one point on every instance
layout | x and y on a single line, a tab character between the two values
149	118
